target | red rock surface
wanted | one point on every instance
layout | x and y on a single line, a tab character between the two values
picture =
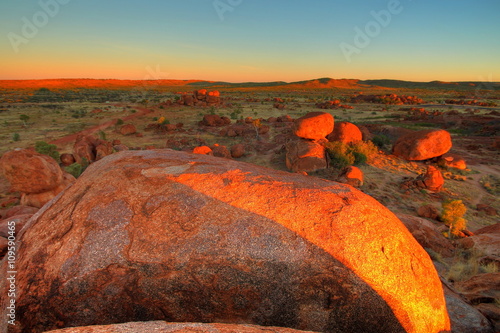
145	235
352	175
30	172
20	210
203	150
88	149
237	150
487	209
345	132
220	151
103	149
464	317
164	327
428	235
433	179
84	149
305	156
482	288
486	240
453	161
19	221
422	145
214	120
67	159
428	211
39	199
314	125
128	129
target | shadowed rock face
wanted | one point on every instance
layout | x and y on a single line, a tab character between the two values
164	235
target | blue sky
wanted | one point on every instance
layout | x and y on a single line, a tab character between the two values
257	40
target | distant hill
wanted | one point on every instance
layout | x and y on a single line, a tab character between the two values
433	84
322	83
90	83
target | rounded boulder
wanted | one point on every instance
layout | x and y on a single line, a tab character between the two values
180	237
422	145
30	172
314	125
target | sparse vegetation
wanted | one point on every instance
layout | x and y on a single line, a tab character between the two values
340	154
343	155
452	216
16	137
163	121
381	140
491	184
24	118
43	147
466	264
78	113
75	169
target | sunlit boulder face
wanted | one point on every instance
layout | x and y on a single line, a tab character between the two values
422	145
165	235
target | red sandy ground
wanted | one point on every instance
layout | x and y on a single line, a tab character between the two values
72	137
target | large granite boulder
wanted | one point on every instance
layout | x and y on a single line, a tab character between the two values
423	145
314	125
179	237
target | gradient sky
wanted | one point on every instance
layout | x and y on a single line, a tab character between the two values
259	40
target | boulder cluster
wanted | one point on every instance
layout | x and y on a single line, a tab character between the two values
307	153
88	149
470	102
334	104
201	98
431	180
391	99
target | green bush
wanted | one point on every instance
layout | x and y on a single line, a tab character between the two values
340	154
75	169
119	122
24	118
43	147
381	140
359	158
16	137
366	148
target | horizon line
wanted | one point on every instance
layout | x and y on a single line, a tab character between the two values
239	82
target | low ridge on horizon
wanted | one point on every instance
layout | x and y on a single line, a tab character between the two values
319	83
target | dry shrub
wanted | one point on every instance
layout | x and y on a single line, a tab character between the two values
452	216
343	155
